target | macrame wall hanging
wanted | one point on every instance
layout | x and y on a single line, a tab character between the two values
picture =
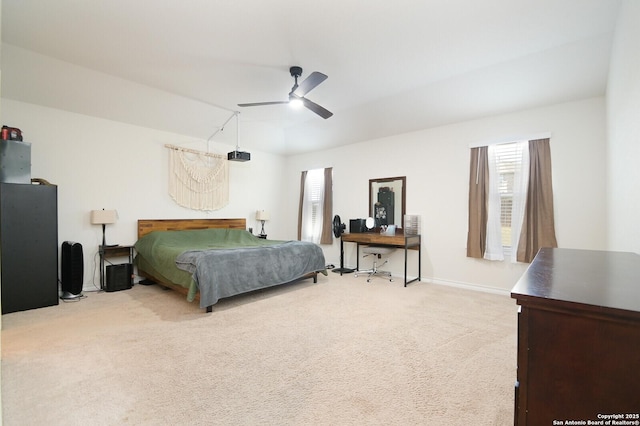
198	180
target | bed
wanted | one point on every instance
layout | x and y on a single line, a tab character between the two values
210	259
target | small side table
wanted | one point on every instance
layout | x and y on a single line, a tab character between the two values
112	251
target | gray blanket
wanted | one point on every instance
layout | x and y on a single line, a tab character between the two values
227	272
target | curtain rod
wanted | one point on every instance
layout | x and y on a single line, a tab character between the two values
193	151
508	139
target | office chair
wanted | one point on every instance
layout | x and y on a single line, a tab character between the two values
377	252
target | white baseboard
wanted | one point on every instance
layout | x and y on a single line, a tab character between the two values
469	286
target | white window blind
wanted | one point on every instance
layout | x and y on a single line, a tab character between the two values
508	173
312	206
508	160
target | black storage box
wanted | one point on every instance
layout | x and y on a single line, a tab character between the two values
119	277
15	161
357	226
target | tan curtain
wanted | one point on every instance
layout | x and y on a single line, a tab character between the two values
538	227
303	178
327	209
478	199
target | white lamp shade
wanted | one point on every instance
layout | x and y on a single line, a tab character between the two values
262	215
103	217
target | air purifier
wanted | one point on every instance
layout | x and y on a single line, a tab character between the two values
72	270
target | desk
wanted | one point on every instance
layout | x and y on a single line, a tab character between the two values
408	242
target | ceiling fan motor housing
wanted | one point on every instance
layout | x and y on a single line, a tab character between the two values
295	71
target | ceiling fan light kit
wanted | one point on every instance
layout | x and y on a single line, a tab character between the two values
298	92
295	103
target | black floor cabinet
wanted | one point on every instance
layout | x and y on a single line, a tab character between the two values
28	246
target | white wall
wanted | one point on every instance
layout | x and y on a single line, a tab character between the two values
623	110
436	164
99	163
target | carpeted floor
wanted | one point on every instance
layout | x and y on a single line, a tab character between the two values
339	352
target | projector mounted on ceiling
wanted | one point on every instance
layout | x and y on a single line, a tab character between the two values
238	156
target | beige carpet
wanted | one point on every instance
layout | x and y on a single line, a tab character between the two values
339	352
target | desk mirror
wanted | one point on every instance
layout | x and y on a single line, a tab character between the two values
387	204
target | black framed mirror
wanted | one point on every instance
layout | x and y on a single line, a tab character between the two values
387	200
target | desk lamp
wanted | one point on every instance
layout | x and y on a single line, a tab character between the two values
104	217
262	216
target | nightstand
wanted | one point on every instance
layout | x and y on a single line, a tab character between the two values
109	252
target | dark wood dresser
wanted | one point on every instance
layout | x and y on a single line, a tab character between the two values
578	338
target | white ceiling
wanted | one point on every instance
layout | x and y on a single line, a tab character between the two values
393	66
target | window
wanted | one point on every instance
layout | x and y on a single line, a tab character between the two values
508	166
312	206
508	160
510	201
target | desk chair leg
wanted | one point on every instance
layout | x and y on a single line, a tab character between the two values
377	273
374	272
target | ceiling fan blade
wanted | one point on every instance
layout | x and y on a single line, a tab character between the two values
322	112
309	83
263	103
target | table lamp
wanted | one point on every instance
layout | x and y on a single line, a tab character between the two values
104	217
262	216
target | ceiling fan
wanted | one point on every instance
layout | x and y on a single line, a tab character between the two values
298	91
